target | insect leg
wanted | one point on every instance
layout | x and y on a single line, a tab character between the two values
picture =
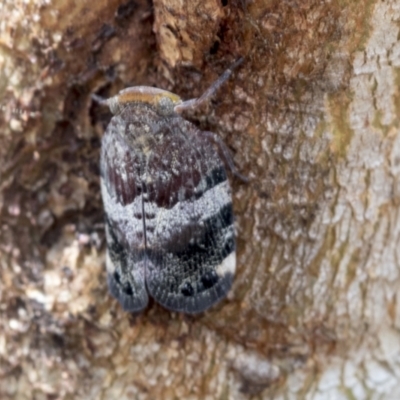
194	103
225	153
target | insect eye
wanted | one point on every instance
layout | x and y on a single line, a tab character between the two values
165	106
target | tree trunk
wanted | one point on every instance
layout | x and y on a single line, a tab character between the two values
311	117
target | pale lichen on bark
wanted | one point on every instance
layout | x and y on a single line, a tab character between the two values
312	117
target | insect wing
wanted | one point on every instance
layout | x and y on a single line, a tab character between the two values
191	244
122	197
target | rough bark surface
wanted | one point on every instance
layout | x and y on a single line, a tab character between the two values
312	116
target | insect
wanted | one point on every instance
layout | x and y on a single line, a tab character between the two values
167	200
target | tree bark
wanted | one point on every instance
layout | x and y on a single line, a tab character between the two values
311	117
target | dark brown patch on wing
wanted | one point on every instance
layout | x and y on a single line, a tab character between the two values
182	171
122	176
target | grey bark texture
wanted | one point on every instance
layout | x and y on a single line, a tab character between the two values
312	116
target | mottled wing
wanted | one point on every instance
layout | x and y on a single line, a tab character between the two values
121	193
190	239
